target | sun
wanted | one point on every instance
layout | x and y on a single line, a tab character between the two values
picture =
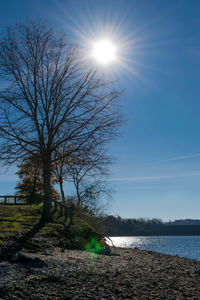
104	52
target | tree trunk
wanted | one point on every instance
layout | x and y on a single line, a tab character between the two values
78	193
46	213
33	192
61	189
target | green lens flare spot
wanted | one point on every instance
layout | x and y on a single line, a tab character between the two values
93	246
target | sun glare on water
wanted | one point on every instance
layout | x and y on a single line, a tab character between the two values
104	52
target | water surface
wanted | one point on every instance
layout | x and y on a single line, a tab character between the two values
183	246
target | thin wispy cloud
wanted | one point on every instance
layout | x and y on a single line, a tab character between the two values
155	178
194	52
182	157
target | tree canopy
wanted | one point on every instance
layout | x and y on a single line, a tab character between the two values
51	97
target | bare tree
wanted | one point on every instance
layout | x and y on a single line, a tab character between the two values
87	171
49	97
90	164
87	174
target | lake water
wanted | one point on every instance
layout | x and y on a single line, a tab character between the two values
183	246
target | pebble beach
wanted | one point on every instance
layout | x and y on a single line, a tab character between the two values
74	274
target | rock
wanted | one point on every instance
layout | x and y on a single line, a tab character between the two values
27	261
17	256
106	251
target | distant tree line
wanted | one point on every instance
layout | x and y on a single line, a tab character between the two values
117	226
184	222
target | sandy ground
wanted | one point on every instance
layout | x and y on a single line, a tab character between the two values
126	274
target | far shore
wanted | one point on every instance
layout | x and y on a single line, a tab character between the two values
125	274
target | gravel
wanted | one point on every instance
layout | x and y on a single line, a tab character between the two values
73	274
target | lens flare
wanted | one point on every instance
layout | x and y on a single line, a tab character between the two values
93	246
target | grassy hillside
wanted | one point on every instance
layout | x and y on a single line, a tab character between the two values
17	219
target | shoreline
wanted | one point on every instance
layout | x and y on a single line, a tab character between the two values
129	273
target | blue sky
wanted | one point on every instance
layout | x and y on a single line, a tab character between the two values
157	170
